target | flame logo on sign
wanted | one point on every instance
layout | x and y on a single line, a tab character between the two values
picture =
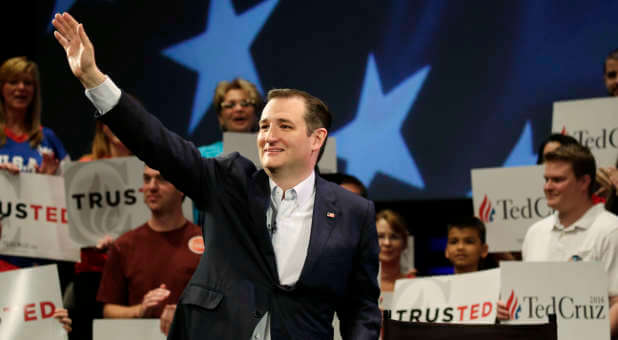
512	305
486	212
563	132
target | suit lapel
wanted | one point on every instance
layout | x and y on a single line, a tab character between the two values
323	221
259	194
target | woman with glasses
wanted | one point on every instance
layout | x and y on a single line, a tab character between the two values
237	104
393	240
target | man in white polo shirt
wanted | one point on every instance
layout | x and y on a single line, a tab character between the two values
579	230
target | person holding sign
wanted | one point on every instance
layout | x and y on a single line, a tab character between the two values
466	249
288	248
579	230
25	145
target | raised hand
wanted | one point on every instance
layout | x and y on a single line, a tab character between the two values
49	164
79	50
153	298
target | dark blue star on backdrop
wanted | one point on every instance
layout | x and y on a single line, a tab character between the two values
373	142
221	52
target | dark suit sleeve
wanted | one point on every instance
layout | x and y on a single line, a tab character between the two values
178	160
359	314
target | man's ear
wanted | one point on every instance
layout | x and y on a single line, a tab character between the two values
484	250
585	182
320	135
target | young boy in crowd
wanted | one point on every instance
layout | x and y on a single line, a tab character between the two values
466	249
465	246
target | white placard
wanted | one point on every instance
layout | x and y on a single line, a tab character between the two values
34	217
509	201
245	144
575	291
463	298
406	263
28	300
593	122
127	329
103	198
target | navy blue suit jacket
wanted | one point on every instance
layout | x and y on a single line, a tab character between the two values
236	281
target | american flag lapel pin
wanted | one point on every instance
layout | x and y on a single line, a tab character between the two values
330	214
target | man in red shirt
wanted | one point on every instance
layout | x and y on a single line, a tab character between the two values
149	267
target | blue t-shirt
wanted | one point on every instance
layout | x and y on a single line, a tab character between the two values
18	151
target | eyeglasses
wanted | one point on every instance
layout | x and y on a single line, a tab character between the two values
242	103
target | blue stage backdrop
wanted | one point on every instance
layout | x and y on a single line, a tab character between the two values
422	91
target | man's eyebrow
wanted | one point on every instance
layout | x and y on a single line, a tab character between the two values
278	120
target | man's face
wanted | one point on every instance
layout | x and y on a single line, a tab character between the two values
160	195
464	247
391	243
237	112
562	189
18	92
611	76
283	144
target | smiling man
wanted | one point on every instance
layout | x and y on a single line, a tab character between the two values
287	248
579	230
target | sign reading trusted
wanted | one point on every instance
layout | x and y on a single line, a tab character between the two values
463	298
34	218
593	122
29	299
103	198
508	201
575	291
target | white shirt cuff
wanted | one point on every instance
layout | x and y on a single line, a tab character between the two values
104	97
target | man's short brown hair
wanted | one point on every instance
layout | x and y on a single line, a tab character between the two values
316	115
581	160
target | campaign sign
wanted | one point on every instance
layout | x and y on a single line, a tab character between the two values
575	291
593	122
508	201
463	298
245	144
29	299
103	198
34	218
127	329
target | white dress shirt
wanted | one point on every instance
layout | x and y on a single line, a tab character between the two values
293	213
